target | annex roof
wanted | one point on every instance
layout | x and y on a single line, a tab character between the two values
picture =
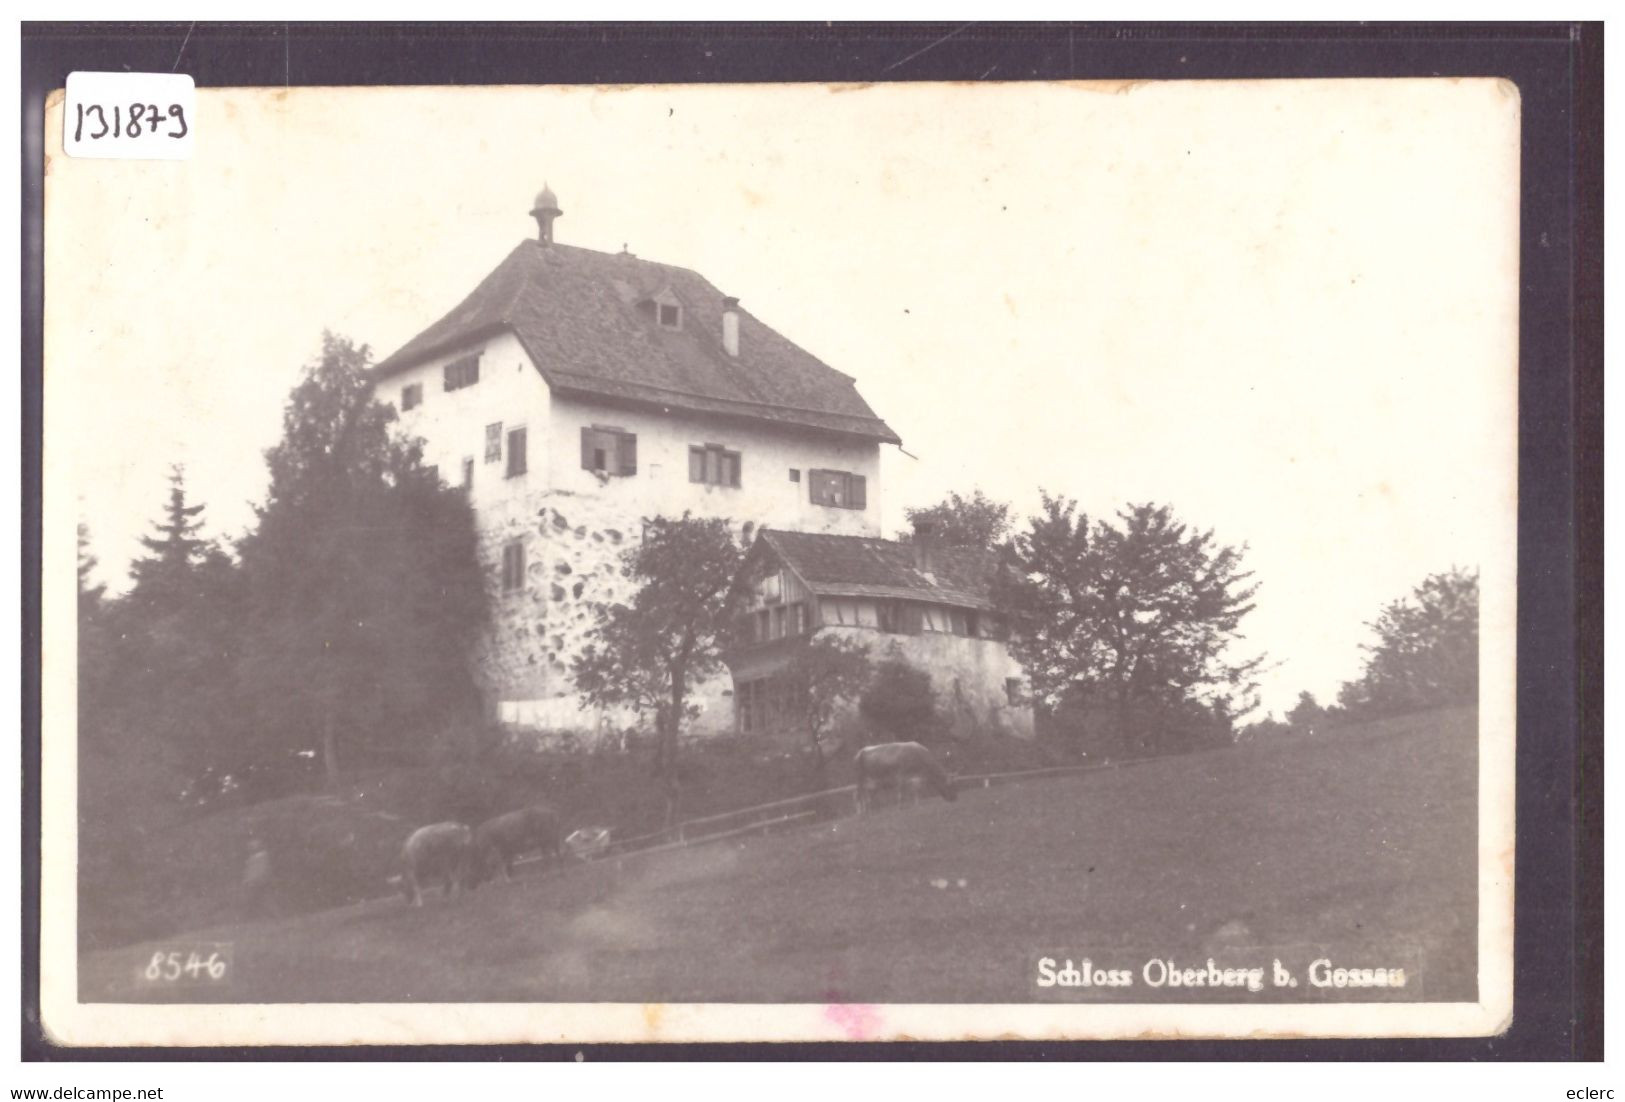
867	566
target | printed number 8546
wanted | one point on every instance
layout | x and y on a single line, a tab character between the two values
176	966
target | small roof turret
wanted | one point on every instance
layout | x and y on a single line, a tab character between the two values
545	211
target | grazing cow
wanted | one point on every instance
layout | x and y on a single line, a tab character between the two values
436	854
899	765
501	841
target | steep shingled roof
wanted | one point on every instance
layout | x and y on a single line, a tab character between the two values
576	311
867	566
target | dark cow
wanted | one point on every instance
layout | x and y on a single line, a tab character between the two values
899	765
440	853
501	841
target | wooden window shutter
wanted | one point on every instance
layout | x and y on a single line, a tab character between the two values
517	459
815	481
586	448
859	498
628	447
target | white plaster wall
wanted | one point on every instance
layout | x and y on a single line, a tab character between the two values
766	497
452	424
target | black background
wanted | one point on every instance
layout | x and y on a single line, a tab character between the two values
1558	70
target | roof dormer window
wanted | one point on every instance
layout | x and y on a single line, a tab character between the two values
671	316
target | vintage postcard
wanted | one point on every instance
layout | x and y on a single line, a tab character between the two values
779	562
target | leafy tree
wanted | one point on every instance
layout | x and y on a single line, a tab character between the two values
1136	616
825	671
1263	730
900	700
1426	653
1307	715
365	590
956	521
647	654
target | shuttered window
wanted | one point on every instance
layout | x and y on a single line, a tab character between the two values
493	443
516	453
609	450
838	489
948	621
463	372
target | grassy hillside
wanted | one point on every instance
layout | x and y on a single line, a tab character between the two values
161	874
1359	844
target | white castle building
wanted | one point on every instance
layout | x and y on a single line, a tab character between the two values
574	394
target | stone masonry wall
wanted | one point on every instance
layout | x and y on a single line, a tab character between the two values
573	556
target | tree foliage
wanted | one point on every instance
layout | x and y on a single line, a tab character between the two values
176	551
168	647
156	689
824	672
1136	618
1426	650
364	587
647	654
900	701
1307	716
957	521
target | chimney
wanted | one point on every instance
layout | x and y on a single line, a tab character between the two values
730	326
545	211
925	545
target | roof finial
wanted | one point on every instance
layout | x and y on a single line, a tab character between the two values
545	211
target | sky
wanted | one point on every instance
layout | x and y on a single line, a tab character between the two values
1286	309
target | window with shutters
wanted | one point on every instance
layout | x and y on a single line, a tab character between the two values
463	372
493	443
837	489
849	612
713	465
513	566
609	450
947	621
468	472
411	397
516	452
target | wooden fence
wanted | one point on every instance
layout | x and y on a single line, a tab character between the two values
831	803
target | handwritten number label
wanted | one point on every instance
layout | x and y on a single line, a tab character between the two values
132	116
140	115
210	963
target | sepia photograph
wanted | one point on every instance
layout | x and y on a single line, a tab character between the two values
780	562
